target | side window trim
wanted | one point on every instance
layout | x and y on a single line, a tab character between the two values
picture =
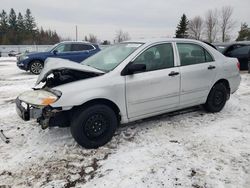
151	46
204	50
83	50
64	45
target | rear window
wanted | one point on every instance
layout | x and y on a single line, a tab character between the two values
191	54
81	47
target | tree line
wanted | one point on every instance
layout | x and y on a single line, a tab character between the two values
215	26
22	29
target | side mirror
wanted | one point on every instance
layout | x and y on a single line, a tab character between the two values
133	68
55	52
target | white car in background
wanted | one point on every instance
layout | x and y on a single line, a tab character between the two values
127	82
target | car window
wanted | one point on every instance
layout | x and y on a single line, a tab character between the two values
193	54
232	48
209	58
157	57
240	51
64	48
81	47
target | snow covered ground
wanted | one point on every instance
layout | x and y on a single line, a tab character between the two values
190	149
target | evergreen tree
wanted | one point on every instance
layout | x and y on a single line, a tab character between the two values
3	27
12	20
20	23
3	21
30	28
29	21
244	33
182	28
16	29
12	27
20	28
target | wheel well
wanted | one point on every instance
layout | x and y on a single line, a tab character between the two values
107	102
35	60
226	83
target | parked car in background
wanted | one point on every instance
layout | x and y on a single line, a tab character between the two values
239	50
74	51
127	82
13	53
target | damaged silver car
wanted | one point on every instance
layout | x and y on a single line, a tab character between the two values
127	82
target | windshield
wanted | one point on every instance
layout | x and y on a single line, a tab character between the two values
110	57
51	48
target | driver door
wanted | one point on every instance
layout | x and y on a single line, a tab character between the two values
157	88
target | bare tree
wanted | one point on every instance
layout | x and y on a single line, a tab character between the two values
226	22
195	27
92	38
121	36
211	25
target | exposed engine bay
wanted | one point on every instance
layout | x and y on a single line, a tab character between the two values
64	76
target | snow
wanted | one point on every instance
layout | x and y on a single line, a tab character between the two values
7	59
189	149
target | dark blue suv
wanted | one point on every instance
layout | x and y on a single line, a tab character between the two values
74	51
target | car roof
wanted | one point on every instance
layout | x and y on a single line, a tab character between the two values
156	40
74	42
226	45
231	43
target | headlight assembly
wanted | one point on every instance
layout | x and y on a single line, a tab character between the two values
23	57
39	97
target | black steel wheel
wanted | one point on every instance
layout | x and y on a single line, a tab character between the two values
93	126
217	98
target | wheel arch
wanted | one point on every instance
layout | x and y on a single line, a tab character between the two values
35	59
225	82
104	101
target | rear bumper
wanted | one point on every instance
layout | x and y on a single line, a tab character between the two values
234	83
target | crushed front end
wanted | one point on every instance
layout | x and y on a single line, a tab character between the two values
35	104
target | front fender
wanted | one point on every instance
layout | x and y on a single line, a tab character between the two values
74	94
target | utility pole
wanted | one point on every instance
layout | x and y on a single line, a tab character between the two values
76	33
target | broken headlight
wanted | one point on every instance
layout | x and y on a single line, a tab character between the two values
40	97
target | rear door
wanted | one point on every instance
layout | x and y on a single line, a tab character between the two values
198	68
81	51
156	89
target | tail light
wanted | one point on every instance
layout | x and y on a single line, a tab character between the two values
238	65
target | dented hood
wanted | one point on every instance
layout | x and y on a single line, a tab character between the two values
52	64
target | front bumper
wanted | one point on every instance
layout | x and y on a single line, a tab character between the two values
26	111
46	117
22	64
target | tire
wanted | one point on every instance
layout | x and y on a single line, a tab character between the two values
93	126
36	67
217	98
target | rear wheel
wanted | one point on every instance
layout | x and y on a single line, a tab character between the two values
217	98
93	126
36	67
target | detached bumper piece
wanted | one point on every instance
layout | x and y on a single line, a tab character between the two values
27	112
23	112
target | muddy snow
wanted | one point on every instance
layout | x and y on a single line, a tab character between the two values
189	148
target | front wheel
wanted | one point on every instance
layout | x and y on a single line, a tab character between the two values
217	98
93	126
36	67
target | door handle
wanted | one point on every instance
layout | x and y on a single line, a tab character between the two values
210	67
173	73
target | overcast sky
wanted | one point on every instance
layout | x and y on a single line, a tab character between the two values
140	18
